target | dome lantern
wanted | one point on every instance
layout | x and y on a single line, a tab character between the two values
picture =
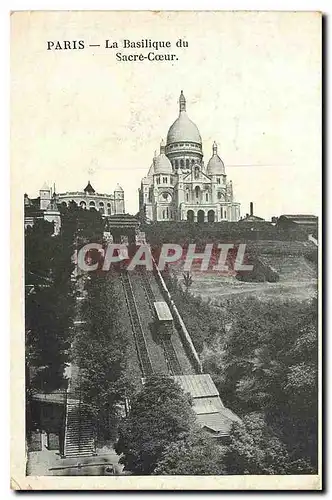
182	102
162	147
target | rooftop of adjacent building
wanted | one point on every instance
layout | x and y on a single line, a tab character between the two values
207	405
88	190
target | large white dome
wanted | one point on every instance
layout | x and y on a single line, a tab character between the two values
183	129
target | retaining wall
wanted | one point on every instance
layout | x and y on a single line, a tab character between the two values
180	326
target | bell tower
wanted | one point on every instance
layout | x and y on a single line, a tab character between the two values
45	196
119	204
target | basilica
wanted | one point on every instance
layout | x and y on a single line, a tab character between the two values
179	186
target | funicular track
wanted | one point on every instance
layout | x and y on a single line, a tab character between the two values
141	347
170	354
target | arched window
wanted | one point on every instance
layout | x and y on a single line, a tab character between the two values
211	216
196	172
176	164
187	163
92	204
181	163
192	161
200	216
207	196
187	195
190	216
197	192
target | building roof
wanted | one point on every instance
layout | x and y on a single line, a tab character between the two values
207	405
183	129
197	385
122	220
219	423
89	188
252	218
300	218
210	412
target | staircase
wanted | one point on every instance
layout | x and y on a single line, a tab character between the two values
79	430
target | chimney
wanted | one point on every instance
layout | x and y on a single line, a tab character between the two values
251	209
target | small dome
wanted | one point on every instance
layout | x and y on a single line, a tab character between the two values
183	129
215	165
162	165
118	188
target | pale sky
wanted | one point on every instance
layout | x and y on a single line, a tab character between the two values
252	83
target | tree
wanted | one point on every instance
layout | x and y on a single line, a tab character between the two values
101	352
195	454
48	306
254	449
160	414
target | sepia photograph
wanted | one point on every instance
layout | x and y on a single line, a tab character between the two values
166	179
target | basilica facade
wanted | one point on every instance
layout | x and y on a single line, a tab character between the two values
179	186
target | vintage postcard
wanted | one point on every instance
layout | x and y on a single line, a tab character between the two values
166	231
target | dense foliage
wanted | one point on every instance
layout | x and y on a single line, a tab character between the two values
255	449
160	415
49	298
101	351
263	357
48	306
196	453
